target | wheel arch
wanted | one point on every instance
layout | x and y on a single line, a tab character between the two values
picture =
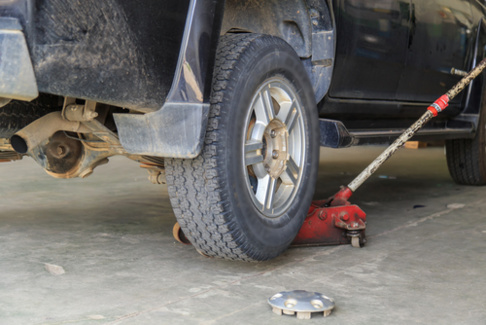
286	19
306	25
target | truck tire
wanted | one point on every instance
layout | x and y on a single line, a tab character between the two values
247	194
466	158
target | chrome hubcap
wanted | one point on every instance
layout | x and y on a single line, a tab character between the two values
274	147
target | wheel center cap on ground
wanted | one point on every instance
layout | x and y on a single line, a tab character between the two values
301	302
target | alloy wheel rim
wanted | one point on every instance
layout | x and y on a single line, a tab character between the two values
274	147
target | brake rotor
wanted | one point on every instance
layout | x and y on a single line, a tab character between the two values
301	302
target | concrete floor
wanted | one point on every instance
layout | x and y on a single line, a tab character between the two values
425	261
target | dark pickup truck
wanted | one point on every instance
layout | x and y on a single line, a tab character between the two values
229	101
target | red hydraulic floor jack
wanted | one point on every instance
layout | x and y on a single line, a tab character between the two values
336	221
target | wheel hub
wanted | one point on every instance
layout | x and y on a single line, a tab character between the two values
275	149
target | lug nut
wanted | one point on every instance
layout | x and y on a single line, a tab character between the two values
275	154
60	152
273	134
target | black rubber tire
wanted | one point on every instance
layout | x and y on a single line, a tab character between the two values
466	158
209	194
18	114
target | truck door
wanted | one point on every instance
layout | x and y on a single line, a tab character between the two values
440	39
371	48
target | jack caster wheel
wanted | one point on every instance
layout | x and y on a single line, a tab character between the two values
355	242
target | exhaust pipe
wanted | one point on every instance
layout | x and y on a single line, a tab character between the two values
41	130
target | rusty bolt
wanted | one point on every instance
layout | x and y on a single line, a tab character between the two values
61	150
322	215
273	134
91	115
275	154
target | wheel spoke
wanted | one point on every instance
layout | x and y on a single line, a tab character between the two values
282	193
252	152
267	100
286	108
291	174
266	187
264	110
291	119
